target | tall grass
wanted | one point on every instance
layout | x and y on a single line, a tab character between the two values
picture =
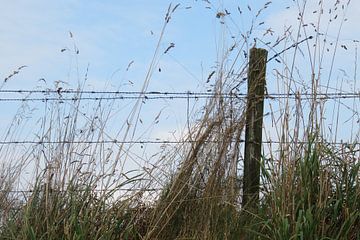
309	186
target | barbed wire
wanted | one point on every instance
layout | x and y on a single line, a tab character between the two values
97	142
169	142
97	98
187	93
154	95
48	91
147	142
72	91
94	190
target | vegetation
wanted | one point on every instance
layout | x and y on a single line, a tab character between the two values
310	187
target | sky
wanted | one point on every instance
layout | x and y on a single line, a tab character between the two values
65	40
109	35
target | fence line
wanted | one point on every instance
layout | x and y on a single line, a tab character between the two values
187	93
169	142
94	190
171	96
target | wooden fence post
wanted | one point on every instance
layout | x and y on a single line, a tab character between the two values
254	122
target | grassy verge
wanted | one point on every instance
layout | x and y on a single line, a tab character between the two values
80	190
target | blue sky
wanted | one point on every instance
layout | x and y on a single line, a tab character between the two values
111	34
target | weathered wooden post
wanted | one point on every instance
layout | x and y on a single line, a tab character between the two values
254	122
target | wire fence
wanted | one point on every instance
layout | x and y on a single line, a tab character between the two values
78	190
63	95
341	143
155	95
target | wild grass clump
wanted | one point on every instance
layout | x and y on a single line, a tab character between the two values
74	214
316	196
201	199
73	192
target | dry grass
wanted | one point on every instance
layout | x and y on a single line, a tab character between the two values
309	186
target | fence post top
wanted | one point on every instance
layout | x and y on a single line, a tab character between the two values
260	50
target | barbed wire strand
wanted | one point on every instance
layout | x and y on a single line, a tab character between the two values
187	93
167	142
95	190
190	96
